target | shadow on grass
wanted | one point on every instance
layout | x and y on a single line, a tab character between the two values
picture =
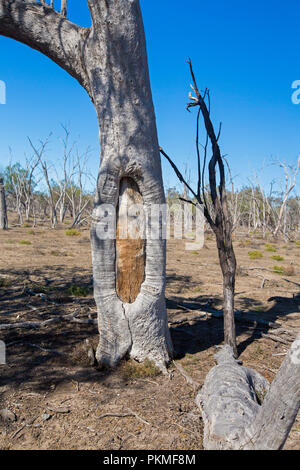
207	332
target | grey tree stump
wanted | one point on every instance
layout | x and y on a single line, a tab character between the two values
241	410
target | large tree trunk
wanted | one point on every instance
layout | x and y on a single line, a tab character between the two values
109	60
3	210
242	411
132	320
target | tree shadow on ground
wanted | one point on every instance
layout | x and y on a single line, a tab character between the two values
205	332
180	282
55	353
40	369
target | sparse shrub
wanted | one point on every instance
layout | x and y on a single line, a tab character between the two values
134	370
260	308
72	232
255	254
269	247
197	289
4	282
39	289
59	253
297	243
195	252
278	269
55	253
277	258
24	242
78	291
31	232
289	271
244	243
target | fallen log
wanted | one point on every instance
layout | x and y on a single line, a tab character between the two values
40	324
241	410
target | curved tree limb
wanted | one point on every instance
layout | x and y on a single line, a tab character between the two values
40	27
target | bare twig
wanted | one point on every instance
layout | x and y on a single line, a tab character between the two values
123	415
187	377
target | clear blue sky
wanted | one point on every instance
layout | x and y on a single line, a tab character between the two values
246	52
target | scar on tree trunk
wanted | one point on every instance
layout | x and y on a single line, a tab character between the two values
130	246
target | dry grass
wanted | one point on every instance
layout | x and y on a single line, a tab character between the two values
24	242
255	254
277	258
270	247
35	379
133	370
72	232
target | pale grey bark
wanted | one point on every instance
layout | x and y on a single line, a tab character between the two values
230	401
3	209
129	148
109	60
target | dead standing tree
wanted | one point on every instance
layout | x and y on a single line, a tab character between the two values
3	210
218	217
109	60
290	183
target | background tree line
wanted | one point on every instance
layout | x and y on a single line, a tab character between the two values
256	209
40	190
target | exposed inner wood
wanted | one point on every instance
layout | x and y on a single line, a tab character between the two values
130	244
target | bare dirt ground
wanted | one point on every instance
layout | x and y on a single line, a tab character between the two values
59	400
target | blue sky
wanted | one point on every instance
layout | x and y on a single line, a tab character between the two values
246	52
